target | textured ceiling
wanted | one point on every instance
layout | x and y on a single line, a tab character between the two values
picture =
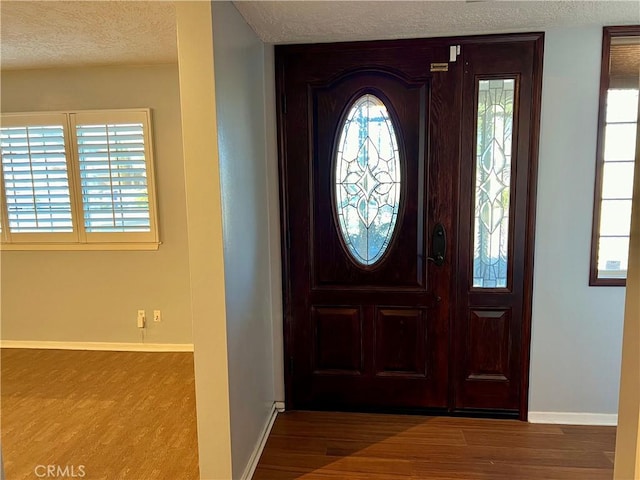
75	33
36	34
313	21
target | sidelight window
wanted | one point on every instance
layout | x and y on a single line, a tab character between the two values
494	133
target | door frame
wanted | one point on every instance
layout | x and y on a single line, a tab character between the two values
531	195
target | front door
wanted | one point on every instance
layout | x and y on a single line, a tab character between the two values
376	174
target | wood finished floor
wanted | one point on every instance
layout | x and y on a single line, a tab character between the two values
131	416
123	415
352	446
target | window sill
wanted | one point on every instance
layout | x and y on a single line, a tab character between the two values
609	281
80	246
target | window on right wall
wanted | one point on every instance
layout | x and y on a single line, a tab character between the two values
616	155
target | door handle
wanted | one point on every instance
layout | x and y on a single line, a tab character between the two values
438	245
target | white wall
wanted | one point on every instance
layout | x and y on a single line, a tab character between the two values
204	225
93	296
240	95
577	329
627	459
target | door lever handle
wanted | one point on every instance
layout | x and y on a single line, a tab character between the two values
438	260
438	245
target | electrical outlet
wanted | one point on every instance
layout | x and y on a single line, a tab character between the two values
141	318
157	316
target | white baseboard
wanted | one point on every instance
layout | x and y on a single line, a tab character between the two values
279	406
255	456
574	418
108	346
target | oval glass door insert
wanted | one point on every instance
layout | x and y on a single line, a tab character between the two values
367	180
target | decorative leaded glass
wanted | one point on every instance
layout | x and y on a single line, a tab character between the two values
367	176
493	182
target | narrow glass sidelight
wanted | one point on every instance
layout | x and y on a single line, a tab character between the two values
493	182
367	180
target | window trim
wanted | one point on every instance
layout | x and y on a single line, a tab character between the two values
607	34
79	239
60	246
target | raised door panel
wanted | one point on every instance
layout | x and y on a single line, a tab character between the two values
337	340
400	342
488	345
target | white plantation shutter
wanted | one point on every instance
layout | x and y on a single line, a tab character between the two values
35	175
114	165
77	180
113	178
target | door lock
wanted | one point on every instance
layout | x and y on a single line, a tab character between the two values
438	245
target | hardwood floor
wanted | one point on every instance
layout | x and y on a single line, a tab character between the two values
352	446
122	415
125	415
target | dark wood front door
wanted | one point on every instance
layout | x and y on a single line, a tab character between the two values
376	175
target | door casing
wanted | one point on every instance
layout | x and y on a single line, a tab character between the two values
528	254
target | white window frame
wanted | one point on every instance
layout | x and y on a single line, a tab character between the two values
80	239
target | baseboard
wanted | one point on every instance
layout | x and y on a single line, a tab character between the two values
574	418
279	406
108	346
255	456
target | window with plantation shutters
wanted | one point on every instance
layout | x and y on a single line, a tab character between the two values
81	178
35	179
114	170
